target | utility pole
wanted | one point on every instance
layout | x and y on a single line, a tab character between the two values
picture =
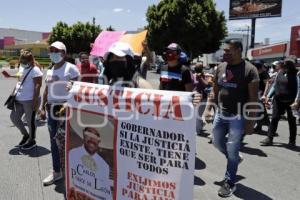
247	41
94	21
94	26
253	22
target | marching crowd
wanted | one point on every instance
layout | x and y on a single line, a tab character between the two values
229	94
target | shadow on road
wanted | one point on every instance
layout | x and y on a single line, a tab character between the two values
198	181
199	164
60	187
238	178
283	145
38	151
254	151
246	193
265	133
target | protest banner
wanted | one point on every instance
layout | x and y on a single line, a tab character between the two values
135	41
126	143
104	40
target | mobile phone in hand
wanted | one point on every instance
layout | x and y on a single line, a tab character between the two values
6	74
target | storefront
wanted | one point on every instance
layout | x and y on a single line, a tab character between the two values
271	53
39	49
295	43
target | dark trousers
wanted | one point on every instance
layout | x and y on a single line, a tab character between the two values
279	109
265	120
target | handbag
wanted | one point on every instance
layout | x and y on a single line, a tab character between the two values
11	100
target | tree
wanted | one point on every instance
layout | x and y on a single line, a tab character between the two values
77	37
110	28
195	25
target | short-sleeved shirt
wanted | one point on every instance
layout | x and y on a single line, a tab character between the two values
232	82
175	78
88	74
57	80
26	90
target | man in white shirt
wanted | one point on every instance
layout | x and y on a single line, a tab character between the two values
87	170
55	95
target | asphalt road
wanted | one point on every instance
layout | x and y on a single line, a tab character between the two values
266	172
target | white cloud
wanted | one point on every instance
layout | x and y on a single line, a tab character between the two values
116	10
128	10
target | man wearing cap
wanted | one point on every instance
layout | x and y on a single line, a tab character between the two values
174	76
87	166
55	95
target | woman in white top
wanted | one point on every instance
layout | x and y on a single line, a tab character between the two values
27	99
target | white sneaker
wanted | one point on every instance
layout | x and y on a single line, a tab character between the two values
53	177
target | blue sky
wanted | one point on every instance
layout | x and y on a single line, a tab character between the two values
41	15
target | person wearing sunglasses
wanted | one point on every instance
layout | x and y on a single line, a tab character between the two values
174	75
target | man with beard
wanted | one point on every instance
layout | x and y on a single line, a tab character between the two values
236	85
87	166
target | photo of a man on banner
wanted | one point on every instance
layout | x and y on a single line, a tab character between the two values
90	161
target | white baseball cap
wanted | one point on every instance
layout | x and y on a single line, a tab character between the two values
120	49
59	45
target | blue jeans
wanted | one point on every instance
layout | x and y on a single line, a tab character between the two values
233	125
53	126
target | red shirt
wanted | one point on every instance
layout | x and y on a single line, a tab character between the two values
88	74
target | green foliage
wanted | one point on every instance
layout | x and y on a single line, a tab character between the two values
77	37
195	25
